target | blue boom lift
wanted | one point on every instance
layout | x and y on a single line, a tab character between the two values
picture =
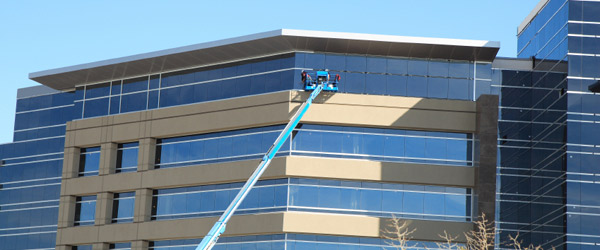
322	82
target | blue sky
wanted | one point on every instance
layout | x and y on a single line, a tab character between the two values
41	35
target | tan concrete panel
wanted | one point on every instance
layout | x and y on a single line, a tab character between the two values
83	185
223	120
353	169
87	137
388	101
118	232
79	235
197	228
401	118
210	174
365	226
126	132
121	182
129	117
250	101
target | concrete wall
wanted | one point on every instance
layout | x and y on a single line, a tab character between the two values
246	112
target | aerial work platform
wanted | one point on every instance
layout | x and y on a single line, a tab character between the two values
321	82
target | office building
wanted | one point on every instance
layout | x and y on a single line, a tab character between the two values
145	151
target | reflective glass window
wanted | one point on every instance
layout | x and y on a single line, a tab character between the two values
212	200
123	207
97	90
382	144
216	147
95	107
89	161
127	157
119	246
85	210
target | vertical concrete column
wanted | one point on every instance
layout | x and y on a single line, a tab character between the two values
485	172
66	211
139	245
71	162
100	246
108	158
104	203
63	248
146	154
143	205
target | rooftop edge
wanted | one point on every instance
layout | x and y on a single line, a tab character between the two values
265	43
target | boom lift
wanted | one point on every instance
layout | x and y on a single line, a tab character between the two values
322	83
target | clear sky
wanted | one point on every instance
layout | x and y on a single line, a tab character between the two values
41	35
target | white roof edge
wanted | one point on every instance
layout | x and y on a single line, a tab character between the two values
531	15
157	53
273	33
391	38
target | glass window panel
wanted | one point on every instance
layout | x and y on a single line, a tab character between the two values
396	85
304	196
127	158
370	200
435	148
397	66
115	88
96	107
97	90
413	203
115	104
133	102
415	147
154	81
437	68
335	62
433	204
315	61
416	86
349	198
329	197
437	88
455	205
417	67
376	65
355	83
392	201
356	63
458	89
136	84
375	84
459	70
89	161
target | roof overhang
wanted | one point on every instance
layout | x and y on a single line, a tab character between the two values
538	7
264	44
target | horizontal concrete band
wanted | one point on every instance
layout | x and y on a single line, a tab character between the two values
276	108
273	223
281	167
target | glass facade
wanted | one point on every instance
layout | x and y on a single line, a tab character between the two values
442	79
31	169
393	145
567	214
315	195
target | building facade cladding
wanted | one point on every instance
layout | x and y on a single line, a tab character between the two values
575	24
137	163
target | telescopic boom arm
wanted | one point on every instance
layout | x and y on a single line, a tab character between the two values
213	235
